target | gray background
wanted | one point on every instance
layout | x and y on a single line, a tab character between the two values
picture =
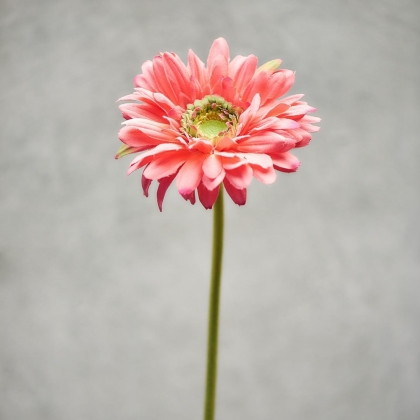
103	300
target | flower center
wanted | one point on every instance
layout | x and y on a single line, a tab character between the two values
210	118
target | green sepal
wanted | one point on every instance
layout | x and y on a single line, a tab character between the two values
125	150
270	66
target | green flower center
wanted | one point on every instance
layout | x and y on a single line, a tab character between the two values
210	118
211	128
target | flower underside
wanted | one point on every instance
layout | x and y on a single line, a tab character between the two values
207	125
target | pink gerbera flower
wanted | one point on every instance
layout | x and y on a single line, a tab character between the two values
210	125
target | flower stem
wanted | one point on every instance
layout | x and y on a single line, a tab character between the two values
212	338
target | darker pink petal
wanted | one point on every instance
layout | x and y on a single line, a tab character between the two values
238	196
164	184
189	197
207	198
145	183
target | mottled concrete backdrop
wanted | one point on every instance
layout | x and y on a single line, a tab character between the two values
103	300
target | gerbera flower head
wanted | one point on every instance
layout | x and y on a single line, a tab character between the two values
206	125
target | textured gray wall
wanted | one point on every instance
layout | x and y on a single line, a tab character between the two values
103	300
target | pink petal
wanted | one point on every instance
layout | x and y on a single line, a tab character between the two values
190	197
135	138
190	174
131	97
275	123
299	110
305	137
211	183
240	177
139	81
266	176
249	117
266	142
280	83
148	156
258	159
166	164
158	100
212	166
219	48
173	118
231	161
309	119
200	145
153	129
244	72
196	90
228	90
163	84
309	127
238	196
177	75
196	68
164	184
290	100
216	84
235	65
218	59
285	124
285	162
259	84
148	77
225	143
275	110
206	197
146	111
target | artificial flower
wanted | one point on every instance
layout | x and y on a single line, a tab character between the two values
206	125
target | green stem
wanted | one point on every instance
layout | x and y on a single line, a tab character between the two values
212	338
